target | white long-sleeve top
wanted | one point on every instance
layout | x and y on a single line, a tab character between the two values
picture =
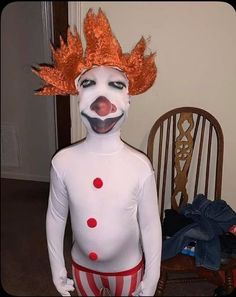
111	193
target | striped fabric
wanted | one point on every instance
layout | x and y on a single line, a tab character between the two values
93	283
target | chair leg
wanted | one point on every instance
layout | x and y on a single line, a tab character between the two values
161	284
229	281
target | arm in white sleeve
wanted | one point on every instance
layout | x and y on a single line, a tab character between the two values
150	227
56	219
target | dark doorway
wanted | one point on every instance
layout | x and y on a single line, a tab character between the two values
60	26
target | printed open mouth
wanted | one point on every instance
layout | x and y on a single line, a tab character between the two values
102	126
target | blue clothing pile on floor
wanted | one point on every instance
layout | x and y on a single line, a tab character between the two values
202	222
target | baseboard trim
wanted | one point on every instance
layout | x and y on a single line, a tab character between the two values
13	175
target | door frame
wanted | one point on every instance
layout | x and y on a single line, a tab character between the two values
63	117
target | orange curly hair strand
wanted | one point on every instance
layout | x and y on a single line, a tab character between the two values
102	49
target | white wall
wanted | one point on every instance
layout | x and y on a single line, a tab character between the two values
30	117
196	46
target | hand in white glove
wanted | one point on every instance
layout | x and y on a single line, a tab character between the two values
139	290
64	284
143	290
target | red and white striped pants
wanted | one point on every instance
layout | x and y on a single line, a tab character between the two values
93	283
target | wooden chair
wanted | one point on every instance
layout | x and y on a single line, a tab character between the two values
185	146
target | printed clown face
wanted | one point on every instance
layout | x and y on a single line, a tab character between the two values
104	99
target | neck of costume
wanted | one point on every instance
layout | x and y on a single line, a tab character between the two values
104	144
108	187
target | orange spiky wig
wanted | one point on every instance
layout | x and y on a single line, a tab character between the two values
102	49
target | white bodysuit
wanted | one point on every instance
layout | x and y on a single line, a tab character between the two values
110	191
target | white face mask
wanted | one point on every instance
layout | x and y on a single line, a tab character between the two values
104	98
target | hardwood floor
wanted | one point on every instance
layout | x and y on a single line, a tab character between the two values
25	269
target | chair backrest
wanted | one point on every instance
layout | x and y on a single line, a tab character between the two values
185	146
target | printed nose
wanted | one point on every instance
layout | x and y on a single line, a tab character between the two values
102	106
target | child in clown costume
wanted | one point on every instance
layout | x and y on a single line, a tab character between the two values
108	186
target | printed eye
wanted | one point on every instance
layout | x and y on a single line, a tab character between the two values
87	83
117	84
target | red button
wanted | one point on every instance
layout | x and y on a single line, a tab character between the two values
91	222
93	256
98	183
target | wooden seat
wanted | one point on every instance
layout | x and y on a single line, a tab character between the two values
185	146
